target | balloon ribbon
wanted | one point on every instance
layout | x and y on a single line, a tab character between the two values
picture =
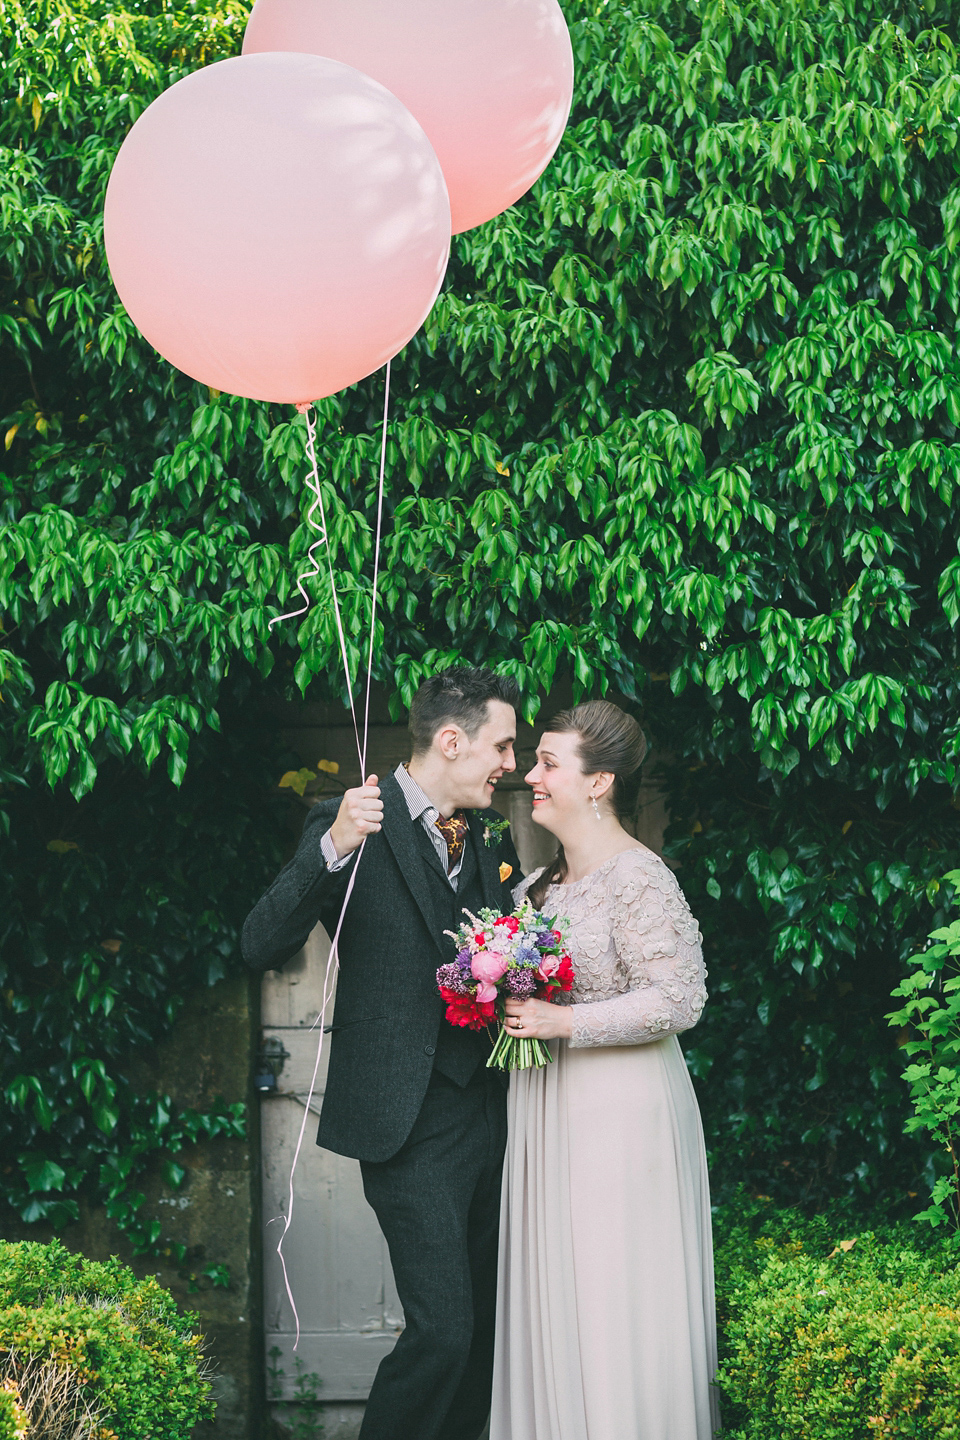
333	960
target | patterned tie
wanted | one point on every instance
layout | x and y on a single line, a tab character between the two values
454	831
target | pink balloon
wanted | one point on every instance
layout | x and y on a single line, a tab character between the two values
277	226
489	80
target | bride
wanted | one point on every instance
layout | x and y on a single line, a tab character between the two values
605	1324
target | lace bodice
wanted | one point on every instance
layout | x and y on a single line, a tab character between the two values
636	950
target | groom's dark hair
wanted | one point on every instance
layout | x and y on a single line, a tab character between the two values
460	696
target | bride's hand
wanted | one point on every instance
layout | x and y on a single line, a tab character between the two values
536	1020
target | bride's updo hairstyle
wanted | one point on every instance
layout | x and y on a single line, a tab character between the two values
611	741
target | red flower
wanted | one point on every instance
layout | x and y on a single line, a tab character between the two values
566	973
512	924
466	1011
480	938
557	936
547	991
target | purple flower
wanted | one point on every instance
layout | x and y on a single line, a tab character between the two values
452	977
521	983
463	957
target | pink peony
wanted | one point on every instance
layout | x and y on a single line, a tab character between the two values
548	967
488	968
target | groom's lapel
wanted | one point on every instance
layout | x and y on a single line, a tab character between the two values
487	860
399	833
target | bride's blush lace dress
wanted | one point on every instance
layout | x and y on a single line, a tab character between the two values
605	1321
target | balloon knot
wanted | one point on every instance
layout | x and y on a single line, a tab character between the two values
303	406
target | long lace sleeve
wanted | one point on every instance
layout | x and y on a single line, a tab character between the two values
659	960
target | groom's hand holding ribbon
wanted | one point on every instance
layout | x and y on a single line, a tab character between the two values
360	815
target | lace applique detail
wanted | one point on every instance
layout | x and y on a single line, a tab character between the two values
636	950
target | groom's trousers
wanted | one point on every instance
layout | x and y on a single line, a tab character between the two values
438	1204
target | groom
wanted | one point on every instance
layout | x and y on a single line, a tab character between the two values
407	1094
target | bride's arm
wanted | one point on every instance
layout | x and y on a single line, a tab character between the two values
658	946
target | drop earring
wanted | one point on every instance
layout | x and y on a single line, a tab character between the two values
596	811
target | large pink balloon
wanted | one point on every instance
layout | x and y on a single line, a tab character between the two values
277	226
489	80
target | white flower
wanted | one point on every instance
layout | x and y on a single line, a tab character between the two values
656	1023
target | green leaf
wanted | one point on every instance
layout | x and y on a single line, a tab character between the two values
42	1175
173	1174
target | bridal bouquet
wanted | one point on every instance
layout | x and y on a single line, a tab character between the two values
498	956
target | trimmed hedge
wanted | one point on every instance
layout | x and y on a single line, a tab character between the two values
831	1334
135	1357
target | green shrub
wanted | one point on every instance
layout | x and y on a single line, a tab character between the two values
827	1334
48	1401
932	1010
136	1358
13	1420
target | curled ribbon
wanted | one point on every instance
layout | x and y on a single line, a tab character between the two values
333	959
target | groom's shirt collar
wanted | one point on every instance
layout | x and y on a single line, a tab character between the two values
422	808
418	801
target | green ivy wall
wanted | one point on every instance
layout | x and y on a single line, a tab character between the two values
681	428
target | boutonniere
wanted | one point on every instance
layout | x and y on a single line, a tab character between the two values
493	830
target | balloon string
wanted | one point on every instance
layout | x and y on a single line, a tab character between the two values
333	959
312	454
313	485
376	570
323	538
329	982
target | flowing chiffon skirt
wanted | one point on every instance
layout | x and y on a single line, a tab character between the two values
605	1310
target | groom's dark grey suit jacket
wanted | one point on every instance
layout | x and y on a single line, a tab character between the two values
388	1026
